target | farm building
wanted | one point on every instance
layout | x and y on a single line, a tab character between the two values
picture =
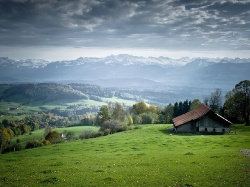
201	119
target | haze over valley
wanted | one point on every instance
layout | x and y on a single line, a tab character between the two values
178	79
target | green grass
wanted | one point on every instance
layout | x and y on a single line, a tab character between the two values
118	100
149	156
28	106
39	134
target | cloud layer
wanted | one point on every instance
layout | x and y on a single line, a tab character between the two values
158	24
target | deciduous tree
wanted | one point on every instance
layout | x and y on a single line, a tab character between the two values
118	112
54	137
237	102
104	114
215	100
139	108
195	104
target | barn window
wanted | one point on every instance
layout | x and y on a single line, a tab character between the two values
214	130
223	130
205	129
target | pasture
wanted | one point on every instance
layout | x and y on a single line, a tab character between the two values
23	106
147	156
39	134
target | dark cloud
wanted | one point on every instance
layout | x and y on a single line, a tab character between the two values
165	24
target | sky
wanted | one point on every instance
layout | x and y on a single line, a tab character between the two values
68	29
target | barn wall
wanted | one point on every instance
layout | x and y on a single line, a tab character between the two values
209	124
187	127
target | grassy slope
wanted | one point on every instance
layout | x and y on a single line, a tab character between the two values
33	107
144	157
39	134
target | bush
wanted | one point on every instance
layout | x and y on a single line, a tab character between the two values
33	143
137	119
16	147
146	118
90	134
87	134
113	125
46	142
54	137
97	134
70	135
106	132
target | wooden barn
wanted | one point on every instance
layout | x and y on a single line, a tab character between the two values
201	119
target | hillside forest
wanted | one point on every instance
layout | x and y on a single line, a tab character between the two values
40	109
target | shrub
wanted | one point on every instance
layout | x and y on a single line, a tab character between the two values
90	134
146	119
97	134
46	142
54	137
70	135
33	143
113	125
16	147
137	119
106	132
86	134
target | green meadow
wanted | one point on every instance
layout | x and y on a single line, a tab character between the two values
147	156
24	106
39	134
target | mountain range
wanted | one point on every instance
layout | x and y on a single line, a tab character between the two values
197	75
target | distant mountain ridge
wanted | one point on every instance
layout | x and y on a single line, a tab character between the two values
122	59
131	72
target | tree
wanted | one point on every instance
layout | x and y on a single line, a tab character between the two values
4	137
186	106
176	110
169	112
237	102
137	119
104	114
149	118
215	100
25	129
118	112
139	108
153	109
54	137
130	120
87	121
195	104
47	130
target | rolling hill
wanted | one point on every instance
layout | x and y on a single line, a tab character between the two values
148	156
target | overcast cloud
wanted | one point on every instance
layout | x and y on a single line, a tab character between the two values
135	25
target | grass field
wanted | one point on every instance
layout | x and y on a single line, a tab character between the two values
39	134
26	106
149	156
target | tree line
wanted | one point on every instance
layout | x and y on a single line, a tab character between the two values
53	91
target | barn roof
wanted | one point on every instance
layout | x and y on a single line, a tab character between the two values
195	114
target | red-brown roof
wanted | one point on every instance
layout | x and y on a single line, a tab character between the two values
192	115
